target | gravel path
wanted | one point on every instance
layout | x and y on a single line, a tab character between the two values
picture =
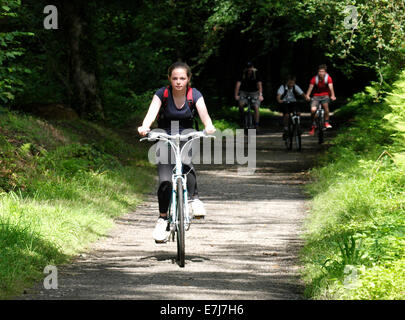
246	248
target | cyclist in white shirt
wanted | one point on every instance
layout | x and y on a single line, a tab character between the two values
287	97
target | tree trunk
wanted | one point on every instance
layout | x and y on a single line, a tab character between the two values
86	99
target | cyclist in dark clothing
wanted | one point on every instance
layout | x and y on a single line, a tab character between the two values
249	84
178	111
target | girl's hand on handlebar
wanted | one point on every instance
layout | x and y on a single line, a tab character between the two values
143	131
210	129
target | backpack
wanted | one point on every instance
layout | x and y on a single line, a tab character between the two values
189	101
286	91
317	79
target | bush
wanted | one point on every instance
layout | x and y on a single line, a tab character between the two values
358	209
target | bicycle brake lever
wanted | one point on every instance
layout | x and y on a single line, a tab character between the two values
149	138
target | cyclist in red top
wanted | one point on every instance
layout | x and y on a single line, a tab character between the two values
322	85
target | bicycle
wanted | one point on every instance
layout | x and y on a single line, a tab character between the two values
248	115
320	122
179	213
294	129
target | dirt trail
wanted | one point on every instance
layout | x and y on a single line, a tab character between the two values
245	249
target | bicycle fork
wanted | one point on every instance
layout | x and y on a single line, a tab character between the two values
295	119
174	220
320	115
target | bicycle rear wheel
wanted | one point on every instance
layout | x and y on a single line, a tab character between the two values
180	225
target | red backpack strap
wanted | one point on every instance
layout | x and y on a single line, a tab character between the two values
190	99
165	96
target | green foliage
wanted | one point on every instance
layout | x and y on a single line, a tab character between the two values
224	16
358	211
380	282
61	185
122	104
11	73
225	118
23	254
74	158
373	40
134	43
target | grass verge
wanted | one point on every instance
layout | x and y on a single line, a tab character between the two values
355	233
61	185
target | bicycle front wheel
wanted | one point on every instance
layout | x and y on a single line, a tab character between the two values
180	225
320	131
289	138
248	122
297	137
321	127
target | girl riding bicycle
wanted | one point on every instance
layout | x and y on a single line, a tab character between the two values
177	113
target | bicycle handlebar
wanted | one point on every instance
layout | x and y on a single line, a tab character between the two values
248	97
298	101
330	100
183	137
153	136
320	106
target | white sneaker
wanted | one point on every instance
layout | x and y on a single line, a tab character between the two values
198	209
160	234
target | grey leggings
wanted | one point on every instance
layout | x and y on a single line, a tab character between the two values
165	171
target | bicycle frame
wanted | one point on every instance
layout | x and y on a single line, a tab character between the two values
295	118
320	121
250	101
320	114
174	141
294	121
178	174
